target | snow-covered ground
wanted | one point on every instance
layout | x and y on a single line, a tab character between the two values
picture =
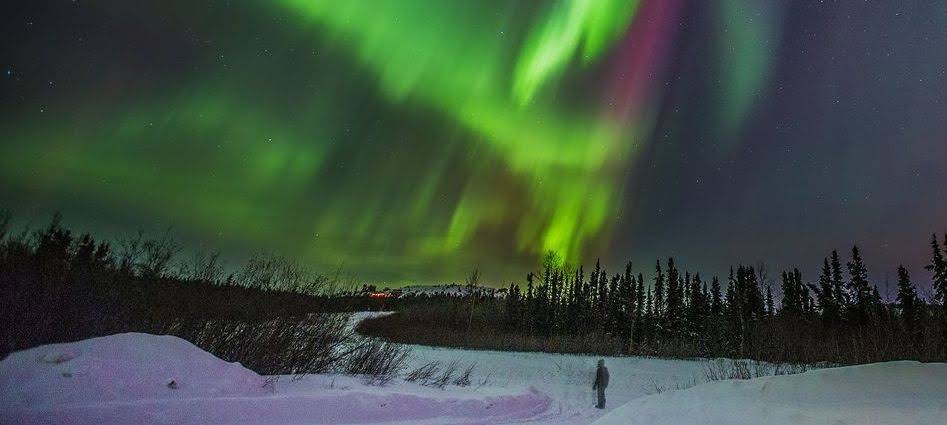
896	393
567	379
127	379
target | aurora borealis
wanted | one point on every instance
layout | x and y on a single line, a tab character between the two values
413	140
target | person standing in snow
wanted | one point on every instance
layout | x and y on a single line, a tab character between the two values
601	382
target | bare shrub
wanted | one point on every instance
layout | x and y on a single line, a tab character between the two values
274	272
341	281
485	380
424	373
130	252
270	382
445	376
722	369
317	343
277	346
656	387
438	375
148	258
204	267
792	369
473	280
157	255
463	380
377	361
725	369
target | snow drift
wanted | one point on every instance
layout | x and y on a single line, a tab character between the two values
144	379
895	393
121	367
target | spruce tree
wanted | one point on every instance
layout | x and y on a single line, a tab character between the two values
733	305
825	297
529	287
838	285
625	308
715	318
572	307
750	308
640	309
674	303
529	309
859	290
796	300
649	318
658	290
705	297
593	293
807	307
512	304
696	309
541	306
555	296
731	317
613	303
791	305
753	294
876	302
910	308
716	302
938	269
640	296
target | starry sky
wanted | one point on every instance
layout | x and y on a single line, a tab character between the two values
414	140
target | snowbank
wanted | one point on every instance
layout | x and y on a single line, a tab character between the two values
127	379
897	393
121	367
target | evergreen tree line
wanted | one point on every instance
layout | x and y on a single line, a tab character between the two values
841	317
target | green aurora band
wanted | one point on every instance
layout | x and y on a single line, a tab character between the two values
271	143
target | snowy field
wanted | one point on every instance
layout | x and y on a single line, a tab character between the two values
565	379
892	393
147	379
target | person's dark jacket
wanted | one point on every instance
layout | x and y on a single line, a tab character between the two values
601	378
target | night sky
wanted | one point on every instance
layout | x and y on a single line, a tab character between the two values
413	140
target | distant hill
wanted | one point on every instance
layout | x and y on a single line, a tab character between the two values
450	290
